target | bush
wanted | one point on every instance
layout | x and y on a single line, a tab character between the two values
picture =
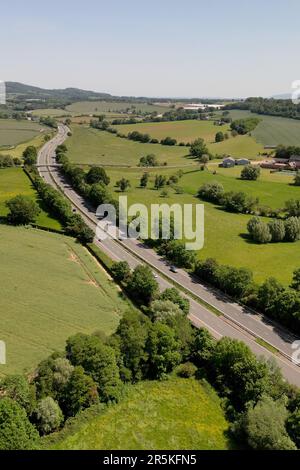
16	432
277	230
187	370
292	229
212	192
97	175
168	141
250	172
48	415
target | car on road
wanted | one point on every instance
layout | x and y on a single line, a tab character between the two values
173	269
155	275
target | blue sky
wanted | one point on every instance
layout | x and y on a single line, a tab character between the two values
153	48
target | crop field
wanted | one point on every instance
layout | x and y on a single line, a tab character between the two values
13	181
175	414
13	132
51	288
89	146
224	231
98	107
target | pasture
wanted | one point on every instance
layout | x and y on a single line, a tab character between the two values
14	132
174	414
99	107
92	146
272	130
189	130
13	181
224	231
51	289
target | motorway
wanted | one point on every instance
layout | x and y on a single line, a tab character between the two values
234	320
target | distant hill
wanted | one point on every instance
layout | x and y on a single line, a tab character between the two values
28	92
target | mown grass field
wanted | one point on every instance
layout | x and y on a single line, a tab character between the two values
51	288
89	146
13	181
175	414
187	131
225	232
98	107
13	132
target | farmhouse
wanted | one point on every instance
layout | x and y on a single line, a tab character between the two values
228	162
242	161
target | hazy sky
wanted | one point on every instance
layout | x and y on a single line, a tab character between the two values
154	47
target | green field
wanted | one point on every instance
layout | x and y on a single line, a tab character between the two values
13	181
187	131
182	131
98	107
224	231
272	130
89	146
175	414
51	288
50	112
13	132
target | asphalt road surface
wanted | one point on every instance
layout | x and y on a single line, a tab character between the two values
235	321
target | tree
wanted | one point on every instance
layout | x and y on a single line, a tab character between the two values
97	175
148	160
144	180
198	148
120	271
16	431
237	373
234	281
292	229
203	347
264	425
261	233
293	426
160	181
163	350
132	333
268	292
98	194
297	179
18	389
48	415
250	172
219	137
174	296
22	210
80	392
212	192
30	155
142	285
277	230
296	280
160	309
123	184
77	227
98	361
